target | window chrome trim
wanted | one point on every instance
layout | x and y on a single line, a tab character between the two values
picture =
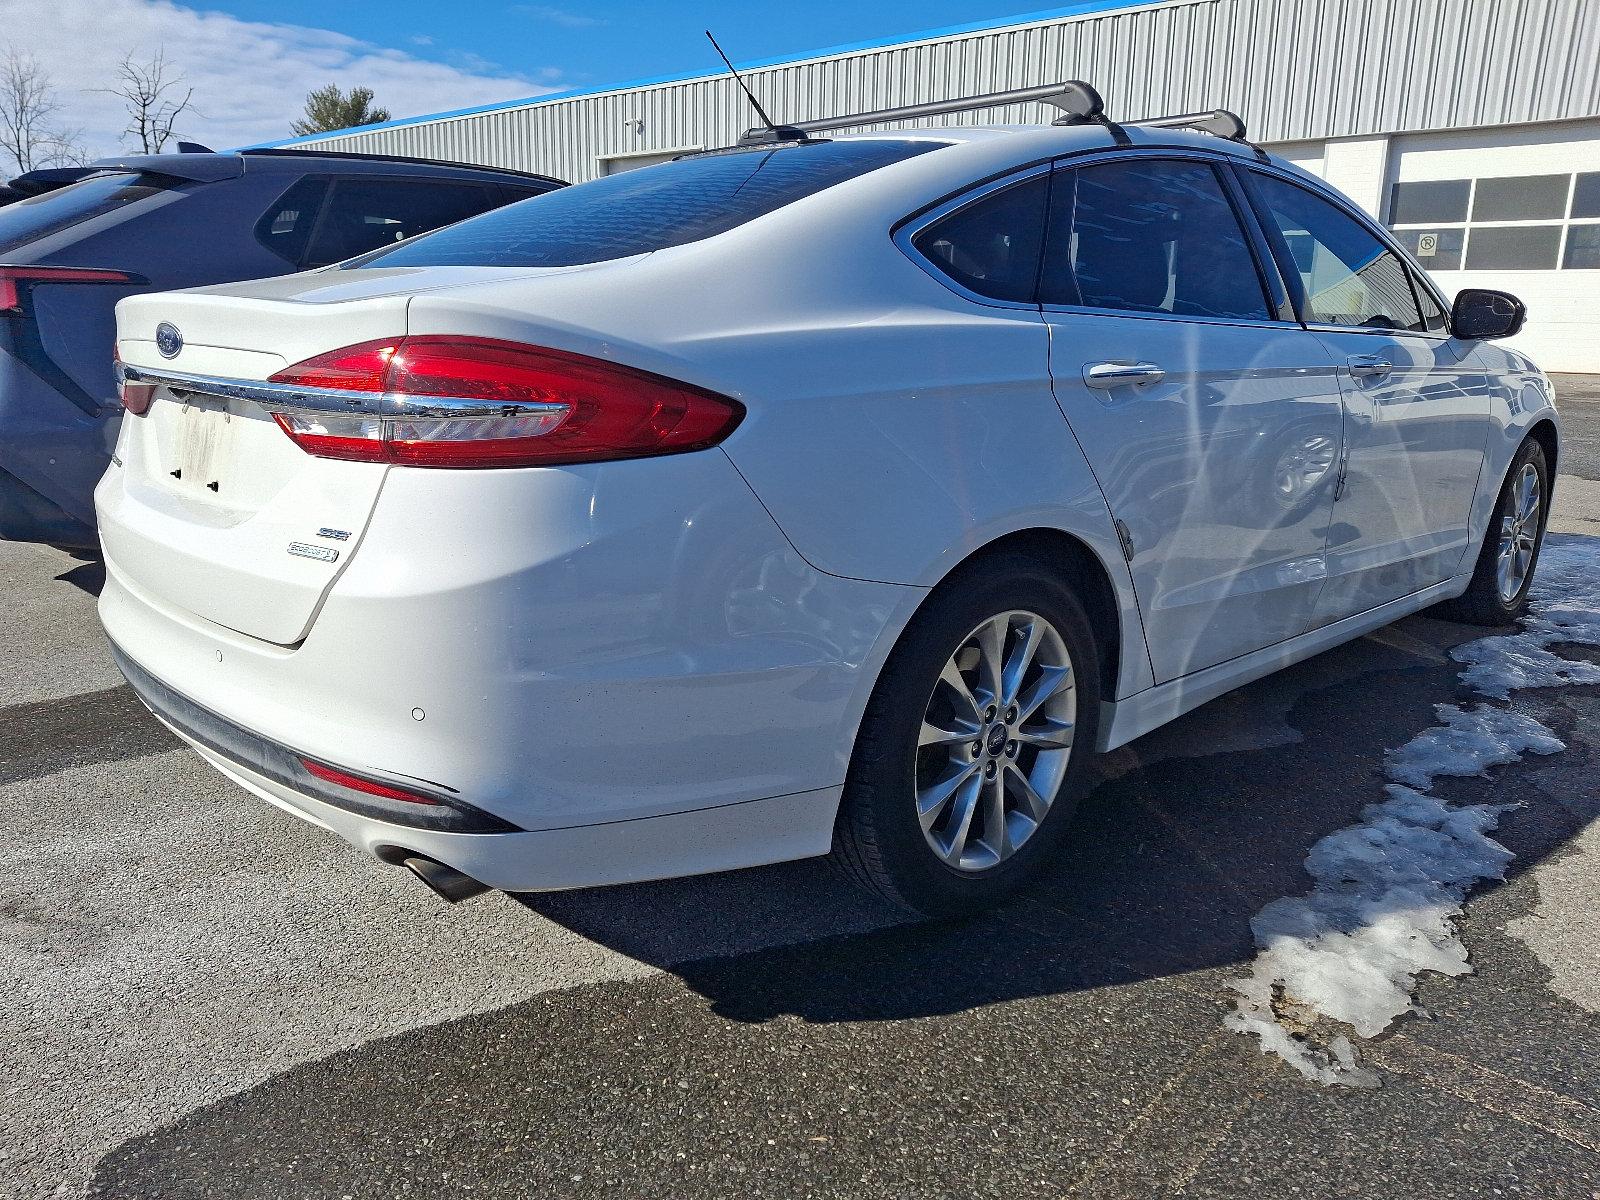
289	397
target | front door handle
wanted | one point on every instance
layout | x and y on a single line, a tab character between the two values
1115	374
1370	366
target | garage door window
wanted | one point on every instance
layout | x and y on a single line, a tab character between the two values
1516	223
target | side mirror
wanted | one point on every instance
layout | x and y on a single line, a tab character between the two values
1479	313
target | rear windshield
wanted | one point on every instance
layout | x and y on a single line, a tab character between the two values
647	209
33	218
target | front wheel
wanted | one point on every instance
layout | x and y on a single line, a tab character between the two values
965	769
1498	593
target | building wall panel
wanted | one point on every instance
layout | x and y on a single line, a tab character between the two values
1298	70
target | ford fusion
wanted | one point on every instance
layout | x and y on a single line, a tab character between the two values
825	495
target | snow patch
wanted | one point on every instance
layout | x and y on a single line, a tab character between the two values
1565	609
1468	743
1387	889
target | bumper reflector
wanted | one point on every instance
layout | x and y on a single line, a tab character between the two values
357	784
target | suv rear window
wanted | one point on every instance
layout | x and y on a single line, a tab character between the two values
33	218
651	208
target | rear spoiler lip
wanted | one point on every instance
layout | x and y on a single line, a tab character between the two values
193	168
47	179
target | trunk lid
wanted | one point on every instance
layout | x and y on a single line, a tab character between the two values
209	508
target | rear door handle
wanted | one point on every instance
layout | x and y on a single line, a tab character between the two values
1370	366
1115	374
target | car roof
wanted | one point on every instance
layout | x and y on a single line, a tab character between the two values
229	164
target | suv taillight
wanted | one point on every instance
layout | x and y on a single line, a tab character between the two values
14	280
480	402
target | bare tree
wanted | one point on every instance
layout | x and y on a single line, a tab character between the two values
150	90
29	136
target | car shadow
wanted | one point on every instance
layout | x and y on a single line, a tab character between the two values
89	576
1184	836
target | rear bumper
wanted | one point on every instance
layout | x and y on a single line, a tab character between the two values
243	750
626	664
52	452
725	838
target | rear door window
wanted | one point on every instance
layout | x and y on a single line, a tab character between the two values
1343	273
670	204
285	228
28	220
1150	235
375	212
992	245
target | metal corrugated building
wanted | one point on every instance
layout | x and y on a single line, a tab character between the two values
1472	126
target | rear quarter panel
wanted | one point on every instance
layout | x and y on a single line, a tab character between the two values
893	427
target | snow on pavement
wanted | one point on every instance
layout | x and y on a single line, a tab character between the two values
1387	889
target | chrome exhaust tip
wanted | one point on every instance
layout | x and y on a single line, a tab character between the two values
445	882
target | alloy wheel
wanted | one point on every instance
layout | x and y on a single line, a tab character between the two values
995	741
1519	532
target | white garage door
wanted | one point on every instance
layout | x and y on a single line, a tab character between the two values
1515	208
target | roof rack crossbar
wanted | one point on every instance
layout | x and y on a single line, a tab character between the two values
1219	122
1077	101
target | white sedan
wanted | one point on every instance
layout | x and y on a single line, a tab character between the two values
819	495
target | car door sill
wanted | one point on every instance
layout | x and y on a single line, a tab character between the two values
1134	716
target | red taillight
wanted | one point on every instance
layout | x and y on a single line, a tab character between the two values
357	784
135	396
14	279
480	402
361	368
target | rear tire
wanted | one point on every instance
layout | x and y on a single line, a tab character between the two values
1010	756
1498	593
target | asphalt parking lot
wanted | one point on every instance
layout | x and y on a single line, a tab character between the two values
206	997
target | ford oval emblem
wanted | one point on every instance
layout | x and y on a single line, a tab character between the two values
168	340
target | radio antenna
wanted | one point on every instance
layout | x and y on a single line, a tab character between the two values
773	131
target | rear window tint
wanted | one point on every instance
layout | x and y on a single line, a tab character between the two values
992	245
33	218
374	213
648	209
285	228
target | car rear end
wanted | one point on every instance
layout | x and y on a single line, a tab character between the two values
443	549
493	603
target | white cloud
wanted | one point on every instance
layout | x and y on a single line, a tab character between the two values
250	78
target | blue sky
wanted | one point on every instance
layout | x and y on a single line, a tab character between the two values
583	45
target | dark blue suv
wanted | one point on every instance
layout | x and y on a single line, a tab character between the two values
155	222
